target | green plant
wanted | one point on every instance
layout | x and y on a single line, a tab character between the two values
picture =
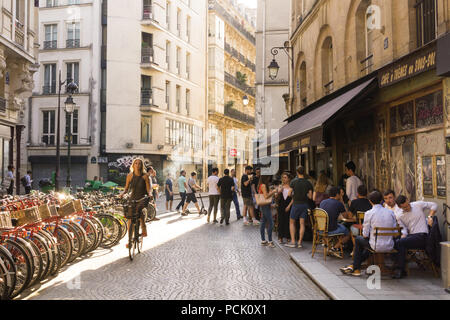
229	104
241	78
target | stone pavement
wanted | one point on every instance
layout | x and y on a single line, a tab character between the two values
419	285
184	258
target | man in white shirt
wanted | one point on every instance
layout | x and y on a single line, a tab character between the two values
353	182
389	203
414	222
214	194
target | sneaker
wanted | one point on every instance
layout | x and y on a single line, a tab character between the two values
256	223
215	221
264	243
221	221
271	245
239	218
356	273
290	245
299	246
347	269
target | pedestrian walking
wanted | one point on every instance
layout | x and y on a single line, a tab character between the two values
226	188
191	188
284	202
8	183
154	185
264	201
236	192
168	188
254	186
247	198
302	192
182	189
28	182
214	194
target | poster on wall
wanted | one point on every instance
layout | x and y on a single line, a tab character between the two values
441	177
427	169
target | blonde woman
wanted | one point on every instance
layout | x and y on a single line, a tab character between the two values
140	186
320	190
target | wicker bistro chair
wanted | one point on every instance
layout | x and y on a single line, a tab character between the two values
377	258
420	257
320	233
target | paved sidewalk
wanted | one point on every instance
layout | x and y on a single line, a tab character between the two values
419	285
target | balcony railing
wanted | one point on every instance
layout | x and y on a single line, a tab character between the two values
20	38
147	55
146	97
73	43
2	104
51	44
147	13
234	82
238	115
235	53
236	24
49	89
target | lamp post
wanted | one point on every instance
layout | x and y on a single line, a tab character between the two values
71	88
69	108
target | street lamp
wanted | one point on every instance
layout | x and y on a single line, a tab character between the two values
273	69
71	88
245	100
69	108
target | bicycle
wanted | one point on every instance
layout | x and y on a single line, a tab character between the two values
135	238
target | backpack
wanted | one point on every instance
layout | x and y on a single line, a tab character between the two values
23	180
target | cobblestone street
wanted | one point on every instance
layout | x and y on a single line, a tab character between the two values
185	258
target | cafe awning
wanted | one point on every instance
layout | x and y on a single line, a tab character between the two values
307	129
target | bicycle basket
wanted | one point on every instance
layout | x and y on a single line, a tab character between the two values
44	211
26	216
130	212
5	220
67	209
53	210
78	205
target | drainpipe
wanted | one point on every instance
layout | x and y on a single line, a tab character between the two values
263	91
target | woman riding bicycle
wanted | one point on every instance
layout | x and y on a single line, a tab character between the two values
140	186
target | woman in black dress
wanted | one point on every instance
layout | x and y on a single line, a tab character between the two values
284	201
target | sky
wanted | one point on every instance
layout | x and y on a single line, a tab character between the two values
249	3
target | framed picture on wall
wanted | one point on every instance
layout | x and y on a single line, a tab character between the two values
427	169
441	177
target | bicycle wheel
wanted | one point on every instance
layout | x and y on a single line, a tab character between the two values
83	236
7	259
65	245
5	283
123	225
22	261
100	231
54	251
151	212
91	233
112	230
38	260
45	252
33	258
138	239
76	252
131	242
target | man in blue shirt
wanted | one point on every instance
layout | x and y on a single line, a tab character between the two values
377	217
334	207
169	192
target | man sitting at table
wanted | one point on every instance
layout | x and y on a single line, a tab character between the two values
362	204
334	207
389	203
414	221
377	217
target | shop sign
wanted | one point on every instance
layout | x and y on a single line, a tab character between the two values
93	160
102	160
233	153
408	67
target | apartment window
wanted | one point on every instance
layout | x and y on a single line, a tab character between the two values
147	10
168	55
188	29
49	79
48	127
188	66
70	2
168	14
425	21
188	101
73	72
146	129
72	119
178	99
147	47
179	22
73	35
168	94
51	36
178	60
327	65
146	90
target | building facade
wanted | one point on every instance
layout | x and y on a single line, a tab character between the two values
373	87
272	32
153	85
70	34
231	91
18	41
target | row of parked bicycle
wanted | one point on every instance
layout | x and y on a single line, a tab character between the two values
41	233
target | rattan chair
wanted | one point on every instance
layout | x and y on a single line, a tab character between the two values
320	232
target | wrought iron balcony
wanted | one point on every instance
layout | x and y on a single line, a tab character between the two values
50	44
238	115
147	55
146	97
234	82
2	104
73	43
147	13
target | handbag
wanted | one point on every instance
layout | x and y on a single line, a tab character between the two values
261	200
